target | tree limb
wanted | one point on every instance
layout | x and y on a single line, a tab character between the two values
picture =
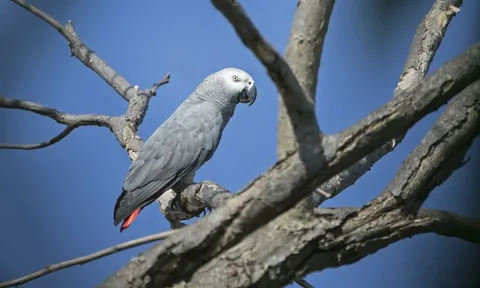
43	144
439	154
285	248
299	107
123	127
303	54
88	258
291	179
60	117
71	120
426	41
428	220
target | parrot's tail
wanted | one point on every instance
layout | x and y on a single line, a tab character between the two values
129	219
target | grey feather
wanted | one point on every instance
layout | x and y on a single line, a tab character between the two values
185	141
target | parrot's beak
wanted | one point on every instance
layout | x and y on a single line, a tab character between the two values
249	94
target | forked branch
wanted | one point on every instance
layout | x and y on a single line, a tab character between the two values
71	120
427	40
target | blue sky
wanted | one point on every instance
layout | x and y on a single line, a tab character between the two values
58	202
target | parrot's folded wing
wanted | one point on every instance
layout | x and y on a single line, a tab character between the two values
173	151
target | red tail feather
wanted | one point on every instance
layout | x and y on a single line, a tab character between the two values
129	220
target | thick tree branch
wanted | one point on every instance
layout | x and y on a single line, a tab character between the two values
427	221
287	248
291	179
425	43
300	108
303	54
440	153
448	224
88	258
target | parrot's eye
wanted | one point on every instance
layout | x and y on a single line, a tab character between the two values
235	78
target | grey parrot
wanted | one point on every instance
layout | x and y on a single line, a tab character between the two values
184	142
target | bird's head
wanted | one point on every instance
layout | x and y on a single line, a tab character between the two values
228	86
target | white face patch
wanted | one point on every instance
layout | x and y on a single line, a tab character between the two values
236	80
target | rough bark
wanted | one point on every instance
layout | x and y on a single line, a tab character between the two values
303	53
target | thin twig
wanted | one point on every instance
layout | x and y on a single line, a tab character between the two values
71	120
44	144
85	259
153	91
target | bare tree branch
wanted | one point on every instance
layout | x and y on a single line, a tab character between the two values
425	43
303	53
123	127
291	179
43	144
193	201
71	120
75	120
440	153
448	224
427	40
88	258
299	107
330	238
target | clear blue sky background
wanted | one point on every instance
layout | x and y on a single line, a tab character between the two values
57	202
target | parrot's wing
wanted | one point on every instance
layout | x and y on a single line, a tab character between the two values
174	150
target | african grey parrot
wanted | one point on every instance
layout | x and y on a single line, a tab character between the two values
184	142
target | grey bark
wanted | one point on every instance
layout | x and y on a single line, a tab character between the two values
303	53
